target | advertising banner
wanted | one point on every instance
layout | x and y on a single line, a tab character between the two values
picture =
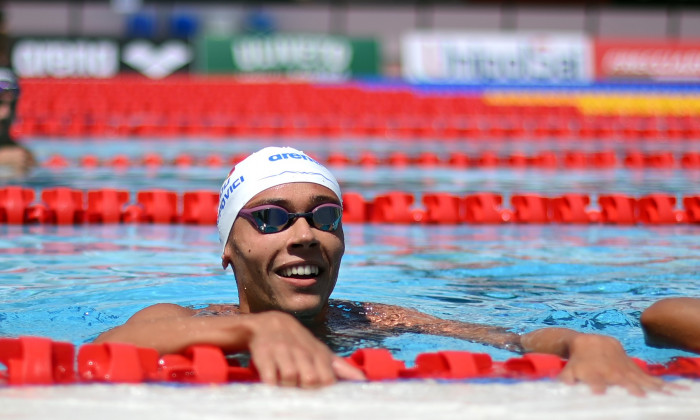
291	54
98	57
495	57
647	59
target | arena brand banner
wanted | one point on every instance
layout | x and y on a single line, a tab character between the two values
98	58
157	60
295	54
485	57
647	59
39	57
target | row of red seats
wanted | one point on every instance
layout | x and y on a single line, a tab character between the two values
67	206
545	159
187	96
263	124
40	361
221	107
203	97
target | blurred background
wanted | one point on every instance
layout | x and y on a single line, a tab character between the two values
431	70
438	112
389	24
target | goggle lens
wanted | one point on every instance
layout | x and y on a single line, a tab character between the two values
273	219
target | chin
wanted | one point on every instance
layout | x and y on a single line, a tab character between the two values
305	308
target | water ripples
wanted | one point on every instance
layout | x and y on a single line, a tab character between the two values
75	282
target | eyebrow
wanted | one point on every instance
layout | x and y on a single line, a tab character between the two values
282	202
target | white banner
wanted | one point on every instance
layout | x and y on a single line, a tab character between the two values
99	58
66	58
494	57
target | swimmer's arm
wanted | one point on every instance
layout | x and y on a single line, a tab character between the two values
284	351
673	323
596	360
410	320
171	328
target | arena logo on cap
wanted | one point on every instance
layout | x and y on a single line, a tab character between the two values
280	156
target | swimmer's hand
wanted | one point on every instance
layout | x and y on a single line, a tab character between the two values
285	353
600	361
596	360
282	349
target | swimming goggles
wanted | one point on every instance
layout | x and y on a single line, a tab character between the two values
272	219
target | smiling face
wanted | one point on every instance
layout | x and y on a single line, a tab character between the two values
294	270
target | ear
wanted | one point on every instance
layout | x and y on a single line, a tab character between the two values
225	261
226	253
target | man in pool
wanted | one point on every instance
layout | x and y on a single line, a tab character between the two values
280	230
13	156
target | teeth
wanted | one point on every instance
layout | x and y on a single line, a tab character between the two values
300	270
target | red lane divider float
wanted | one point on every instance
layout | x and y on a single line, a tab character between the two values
633	159
41	361
68	206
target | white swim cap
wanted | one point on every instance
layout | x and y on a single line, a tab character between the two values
263	169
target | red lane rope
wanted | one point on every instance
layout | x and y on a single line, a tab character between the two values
41	361
571	159
64	205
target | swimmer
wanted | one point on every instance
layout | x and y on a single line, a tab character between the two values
673	322
281	233
13	156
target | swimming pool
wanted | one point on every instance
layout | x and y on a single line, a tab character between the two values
72	282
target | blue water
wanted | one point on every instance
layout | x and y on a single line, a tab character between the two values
73	282
369	181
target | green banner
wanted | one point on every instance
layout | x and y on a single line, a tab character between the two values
293	54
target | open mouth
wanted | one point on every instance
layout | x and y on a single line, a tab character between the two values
302	271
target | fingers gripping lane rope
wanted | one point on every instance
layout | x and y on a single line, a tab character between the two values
41	361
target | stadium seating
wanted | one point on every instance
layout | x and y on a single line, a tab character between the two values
226	106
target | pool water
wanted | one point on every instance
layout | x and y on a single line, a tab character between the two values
73	282
367	180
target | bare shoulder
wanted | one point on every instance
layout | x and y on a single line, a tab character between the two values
162	310
218	309
674	303
171	310
670	308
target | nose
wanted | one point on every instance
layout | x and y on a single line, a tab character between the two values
302	234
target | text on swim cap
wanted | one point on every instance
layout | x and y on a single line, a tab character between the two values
281	156
226	191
